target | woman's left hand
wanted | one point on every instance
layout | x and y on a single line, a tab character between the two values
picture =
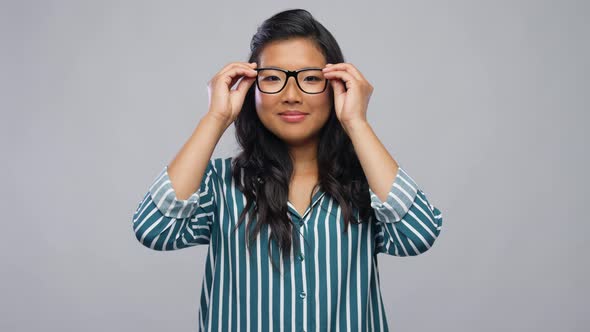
351	93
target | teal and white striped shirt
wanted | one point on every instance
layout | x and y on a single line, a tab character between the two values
332	284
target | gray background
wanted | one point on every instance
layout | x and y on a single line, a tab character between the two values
484	103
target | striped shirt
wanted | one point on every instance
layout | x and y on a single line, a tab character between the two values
331	284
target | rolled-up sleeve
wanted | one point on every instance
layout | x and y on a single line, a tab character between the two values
164	222
407	223
164	196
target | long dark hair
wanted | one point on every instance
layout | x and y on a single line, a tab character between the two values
265	161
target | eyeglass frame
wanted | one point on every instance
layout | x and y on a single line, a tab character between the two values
290	73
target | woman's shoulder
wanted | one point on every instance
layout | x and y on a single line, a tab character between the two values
219	163
222	166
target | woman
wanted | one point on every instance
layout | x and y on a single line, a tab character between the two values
294	222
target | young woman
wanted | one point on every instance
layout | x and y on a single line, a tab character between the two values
294	222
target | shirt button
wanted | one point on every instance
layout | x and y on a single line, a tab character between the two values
301	257
302	295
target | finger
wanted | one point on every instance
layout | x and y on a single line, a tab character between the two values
348	79
239	71
348	68
228	74
234	65
338	87
234	74
244	85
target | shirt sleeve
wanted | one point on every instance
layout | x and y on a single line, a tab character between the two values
164	222
407	223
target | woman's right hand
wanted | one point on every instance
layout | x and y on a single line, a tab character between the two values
225	103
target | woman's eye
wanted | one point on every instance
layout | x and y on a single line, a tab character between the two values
312	78
271	78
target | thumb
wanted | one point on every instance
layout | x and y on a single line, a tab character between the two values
338	86
244	85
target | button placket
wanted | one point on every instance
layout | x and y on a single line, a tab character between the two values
301	224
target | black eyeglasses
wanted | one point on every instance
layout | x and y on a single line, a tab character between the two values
273	80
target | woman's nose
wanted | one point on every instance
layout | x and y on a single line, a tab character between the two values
291	89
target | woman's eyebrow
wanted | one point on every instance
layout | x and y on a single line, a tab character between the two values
277	67
314	67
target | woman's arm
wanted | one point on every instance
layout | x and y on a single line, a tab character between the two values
378	165
407	224
179	208
164	222
187	168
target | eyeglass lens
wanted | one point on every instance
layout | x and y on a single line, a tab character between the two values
272	81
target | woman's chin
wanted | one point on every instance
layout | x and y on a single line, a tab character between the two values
297	139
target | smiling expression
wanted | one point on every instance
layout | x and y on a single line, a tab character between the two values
293	54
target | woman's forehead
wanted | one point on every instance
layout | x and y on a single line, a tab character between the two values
292	55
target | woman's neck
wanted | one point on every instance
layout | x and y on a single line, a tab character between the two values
305	160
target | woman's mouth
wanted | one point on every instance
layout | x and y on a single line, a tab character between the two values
293	116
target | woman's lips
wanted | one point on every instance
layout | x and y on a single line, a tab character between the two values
293	117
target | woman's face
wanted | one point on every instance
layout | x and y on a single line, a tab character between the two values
293	54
